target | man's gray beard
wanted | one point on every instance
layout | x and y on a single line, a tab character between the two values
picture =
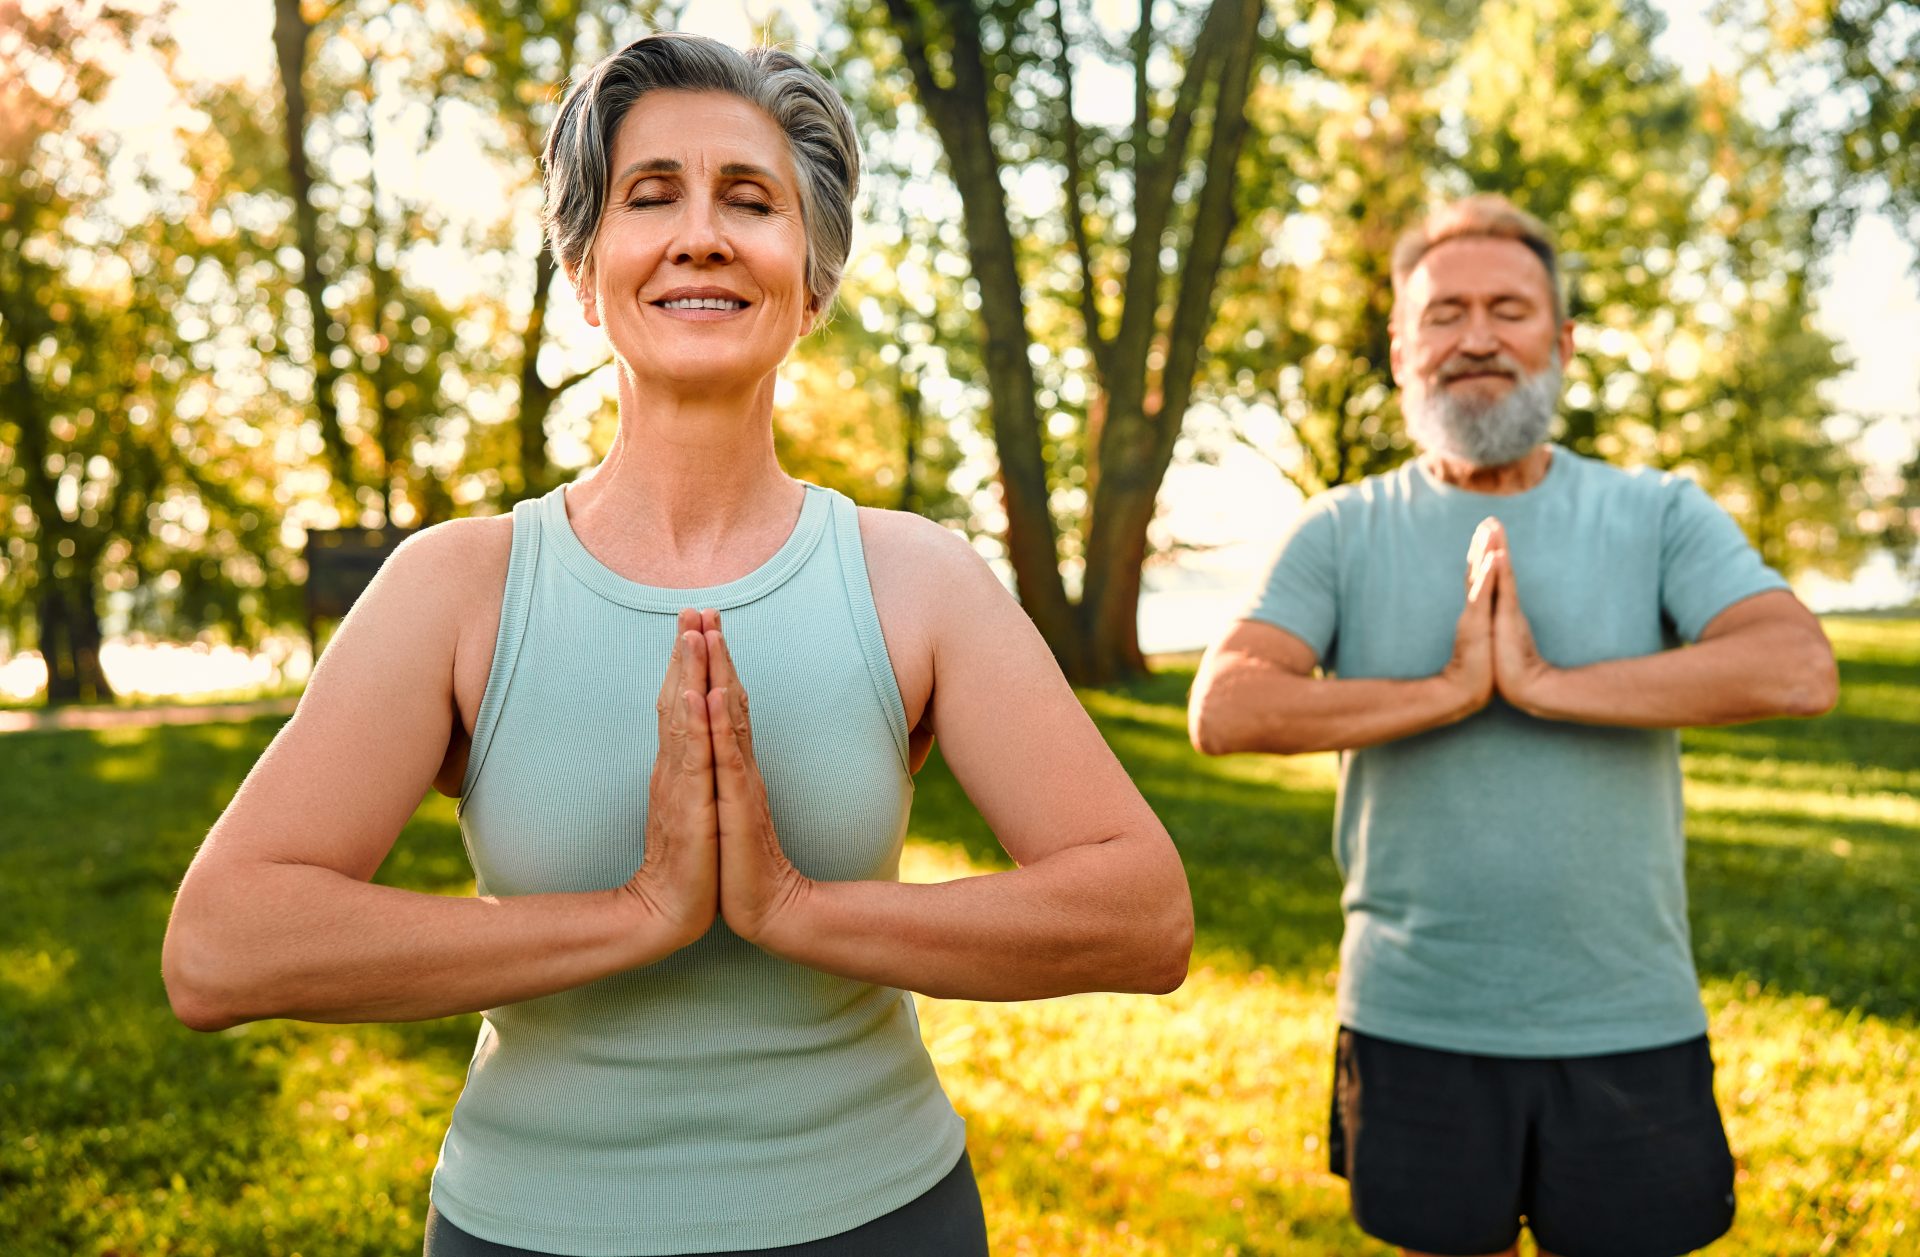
1489	434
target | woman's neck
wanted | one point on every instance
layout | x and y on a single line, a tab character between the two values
690	489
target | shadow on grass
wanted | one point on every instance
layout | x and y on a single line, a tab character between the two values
1258	857
1029	1180
120	1129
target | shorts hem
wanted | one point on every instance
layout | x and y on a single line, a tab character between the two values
1605	1040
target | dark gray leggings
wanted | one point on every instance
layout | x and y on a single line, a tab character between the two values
944	1222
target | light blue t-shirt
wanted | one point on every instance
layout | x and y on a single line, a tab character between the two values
1514	886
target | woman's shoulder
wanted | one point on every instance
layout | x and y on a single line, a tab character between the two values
456	556
447	578
451	577
903	547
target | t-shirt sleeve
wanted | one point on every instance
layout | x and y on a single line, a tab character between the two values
1301	591
1706	562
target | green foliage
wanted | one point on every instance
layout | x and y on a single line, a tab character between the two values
1099	1124
132	394
1685	233
1850	70
162	448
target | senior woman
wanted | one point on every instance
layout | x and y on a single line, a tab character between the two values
690	944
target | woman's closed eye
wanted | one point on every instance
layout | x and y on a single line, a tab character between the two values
652	200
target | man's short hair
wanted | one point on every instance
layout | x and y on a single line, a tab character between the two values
1487	216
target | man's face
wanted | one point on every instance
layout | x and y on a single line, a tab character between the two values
1475	317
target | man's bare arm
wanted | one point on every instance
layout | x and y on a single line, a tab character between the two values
1764	656
1256	691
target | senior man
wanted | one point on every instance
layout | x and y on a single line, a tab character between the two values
1493	636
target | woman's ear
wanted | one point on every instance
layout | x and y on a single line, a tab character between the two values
582	282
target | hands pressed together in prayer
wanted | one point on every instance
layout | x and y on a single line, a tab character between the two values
711	849
1493	648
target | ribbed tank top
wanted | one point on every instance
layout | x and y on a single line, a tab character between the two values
720	1098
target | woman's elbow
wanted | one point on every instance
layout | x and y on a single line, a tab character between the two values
1173	955
190	971
1168	937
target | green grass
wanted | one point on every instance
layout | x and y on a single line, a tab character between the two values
136	699
1099	1124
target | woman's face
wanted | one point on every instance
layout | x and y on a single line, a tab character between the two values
698	273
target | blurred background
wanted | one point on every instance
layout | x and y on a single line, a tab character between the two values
271	289
272	267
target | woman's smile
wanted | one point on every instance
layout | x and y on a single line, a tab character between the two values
703	304
705	228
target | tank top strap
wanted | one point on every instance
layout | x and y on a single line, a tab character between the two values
866	620
521	565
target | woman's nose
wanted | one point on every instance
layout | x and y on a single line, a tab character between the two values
700	238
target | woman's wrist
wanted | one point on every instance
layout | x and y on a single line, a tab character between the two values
645	926
783	925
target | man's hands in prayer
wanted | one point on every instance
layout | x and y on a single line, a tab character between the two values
1493	647
711	846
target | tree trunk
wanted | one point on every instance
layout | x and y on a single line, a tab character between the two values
1143	404
1110	611
1144	414
959	115
536	399
70	643
913	422
291	32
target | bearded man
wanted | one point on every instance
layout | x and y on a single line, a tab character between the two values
1498	629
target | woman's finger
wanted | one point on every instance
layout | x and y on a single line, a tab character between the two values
725	677
723	672
696	746
670	686
694	671
732	778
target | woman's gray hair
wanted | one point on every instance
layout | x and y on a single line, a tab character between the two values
819	130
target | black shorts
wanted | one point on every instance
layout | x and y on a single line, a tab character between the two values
1599	1156
944	1221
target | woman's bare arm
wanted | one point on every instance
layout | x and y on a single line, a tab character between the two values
1100	900
277	917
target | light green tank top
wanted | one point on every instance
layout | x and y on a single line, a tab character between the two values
720	1098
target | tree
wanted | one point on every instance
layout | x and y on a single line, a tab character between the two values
1851	69
517	57
124	471
388	360
1684	236
1349	155
1847	73
1141	214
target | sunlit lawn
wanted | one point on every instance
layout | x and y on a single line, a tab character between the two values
1099	1124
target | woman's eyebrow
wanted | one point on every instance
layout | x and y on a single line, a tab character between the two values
653	165
733	170
669	166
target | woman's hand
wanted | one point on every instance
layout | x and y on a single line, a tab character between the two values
758	884
678	881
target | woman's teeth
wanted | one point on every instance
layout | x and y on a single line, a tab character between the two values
704	303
